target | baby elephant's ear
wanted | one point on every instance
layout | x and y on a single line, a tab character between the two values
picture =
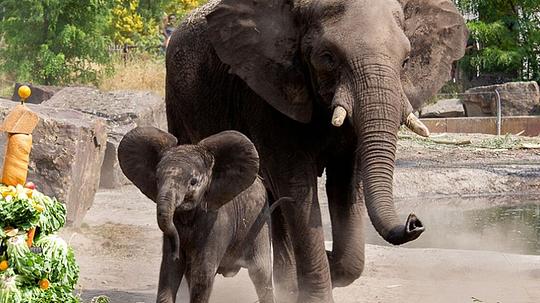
236	164
139	153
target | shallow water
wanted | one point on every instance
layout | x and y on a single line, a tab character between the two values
511	228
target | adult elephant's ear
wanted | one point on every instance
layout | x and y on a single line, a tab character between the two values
139	153
236	164
259	41
438	37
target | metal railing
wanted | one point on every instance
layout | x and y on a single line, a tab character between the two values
499	112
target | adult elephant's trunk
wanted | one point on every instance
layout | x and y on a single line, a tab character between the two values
377	116
165	218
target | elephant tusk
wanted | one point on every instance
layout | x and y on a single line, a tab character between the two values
414	124
339	116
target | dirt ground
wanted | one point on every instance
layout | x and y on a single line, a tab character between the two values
118	246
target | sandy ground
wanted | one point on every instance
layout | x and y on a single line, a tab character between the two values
119	245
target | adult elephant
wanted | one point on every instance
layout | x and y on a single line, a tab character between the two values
280	71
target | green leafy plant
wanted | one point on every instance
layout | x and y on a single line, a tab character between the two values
100	299
46	273
504	38
54	42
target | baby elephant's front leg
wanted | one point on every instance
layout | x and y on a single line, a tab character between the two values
200	284
170	275
201	288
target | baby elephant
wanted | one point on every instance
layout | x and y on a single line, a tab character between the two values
211	207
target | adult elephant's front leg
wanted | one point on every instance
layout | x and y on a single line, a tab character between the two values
346	205
284	265
296	177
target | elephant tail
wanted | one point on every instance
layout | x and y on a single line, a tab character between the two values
257	226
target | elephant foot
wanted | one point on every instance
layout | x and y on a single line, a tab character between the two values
306	298
344	275
285	294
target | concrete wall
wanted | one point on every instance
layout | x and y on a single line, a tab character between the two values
485	125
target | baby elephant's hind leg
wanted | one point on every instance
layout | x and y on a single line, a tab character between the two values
260	267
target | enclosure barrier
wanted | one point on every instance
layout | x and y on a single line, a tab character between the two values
523	125
495	110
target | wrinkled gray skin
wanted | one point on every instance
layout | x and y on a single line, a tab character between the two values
211	207
275	70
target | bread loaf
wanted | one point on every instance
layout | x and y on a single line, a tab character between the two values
16	159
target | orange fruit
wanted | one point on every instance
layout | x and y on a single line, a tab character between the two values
4	265
24	92
44	284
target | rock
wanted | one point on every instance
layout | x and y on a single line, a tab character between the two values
517	99
444	108
66	157
123	111
39	94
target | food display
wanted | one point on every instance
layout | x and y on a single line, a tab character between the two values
36	265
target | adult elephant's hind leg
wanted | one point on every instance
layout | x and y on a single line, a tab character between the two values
346	205
297	178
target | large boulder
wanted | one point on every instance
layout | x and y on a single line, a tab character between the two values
517	99
445	108
123	111
39	94
66	157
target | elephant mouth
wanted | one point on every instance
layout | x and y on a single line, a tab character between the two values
186	205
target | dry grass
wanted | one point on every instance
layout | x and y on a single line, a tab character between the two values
142	72
6	85
6	89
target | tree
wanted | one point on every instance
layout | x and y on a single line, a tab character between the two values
137	22
505	38
156	8
129	26
181	7
55	41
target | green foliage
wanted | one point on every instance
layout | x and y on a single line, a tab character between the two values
55	266
54	41
129	27
505	37
181	7
100	299
140	23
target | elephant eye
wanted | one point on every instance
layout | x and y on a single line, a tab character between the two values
405	62
193	182
329	60
326	61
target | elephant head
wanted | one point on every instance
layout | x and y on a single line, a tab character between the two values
181	178
370	62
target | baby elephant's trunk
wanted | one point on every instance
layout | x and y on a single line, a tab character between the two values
165	218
